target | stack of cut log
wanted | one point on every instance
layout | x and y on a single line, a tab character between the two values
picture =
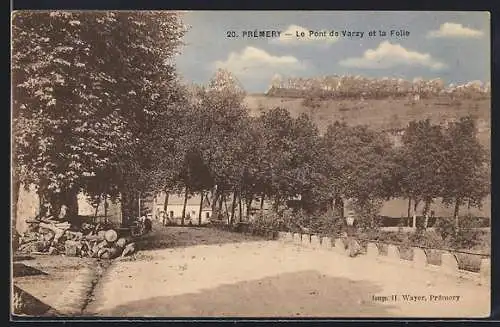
48	236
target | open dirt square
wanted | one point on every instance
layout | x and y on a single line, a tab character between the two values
239	276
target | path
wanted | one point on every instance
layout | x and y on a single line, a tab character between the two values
258	278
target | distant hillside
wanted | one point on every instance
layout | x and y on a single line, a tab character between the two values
380	114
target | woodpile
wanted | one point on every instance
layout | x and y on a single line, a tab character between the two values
48	236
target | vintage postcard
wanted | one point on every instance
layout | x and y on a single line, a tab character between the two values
284	164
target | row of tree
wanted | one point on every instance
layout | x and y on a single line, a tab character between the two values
279	157
340	87
98	108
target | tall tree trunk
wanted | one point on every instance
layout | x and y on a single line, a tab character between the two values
96	211
215	196
41	203
339	206
221	201
125	198
415	206
262	204
165	208
409	212
455	214
414	224
233	207
139	204
43	198
72	203
426	211
55	203
106	208
165	202
240	207
184	207
227	210
201	207
249	206
276	204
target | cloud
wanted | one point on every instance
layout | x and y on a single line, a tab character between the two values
289	37
255	62
453	30
388	55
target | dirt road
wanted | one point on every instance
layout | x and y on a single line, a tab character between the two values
248	277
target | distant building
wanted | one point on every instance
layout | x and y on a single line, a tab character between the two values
395	209
175	206
108	210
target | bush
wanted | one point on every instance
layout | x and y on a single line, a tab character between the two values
445	227
367	213
322	224
468	236
378	235
268	220
429	239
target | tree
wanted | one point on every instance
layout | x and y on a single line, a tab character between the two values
304	172
93	84
218	119
355	165
466	177
277	127
421	161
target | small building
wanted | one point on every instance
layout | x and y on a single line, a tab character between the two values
108	210
394	211
175	206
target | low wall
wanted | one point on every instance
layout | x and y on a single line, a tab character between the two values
441	261
419	258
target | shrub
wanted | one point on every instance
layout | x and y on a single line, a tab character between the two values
429	239
367	213
266	221
467	237
445	227
322	224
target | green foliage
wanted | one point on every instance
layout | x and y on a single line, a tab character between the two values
445	227
468	235
267	221
467	176
367	213
88	88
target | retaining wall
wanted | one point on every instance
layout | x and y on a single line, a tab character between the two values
449	263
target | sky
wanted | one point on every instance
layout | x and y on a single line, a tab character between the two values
453	46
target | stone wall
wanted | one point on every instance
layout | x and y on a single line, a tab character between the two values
419	260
